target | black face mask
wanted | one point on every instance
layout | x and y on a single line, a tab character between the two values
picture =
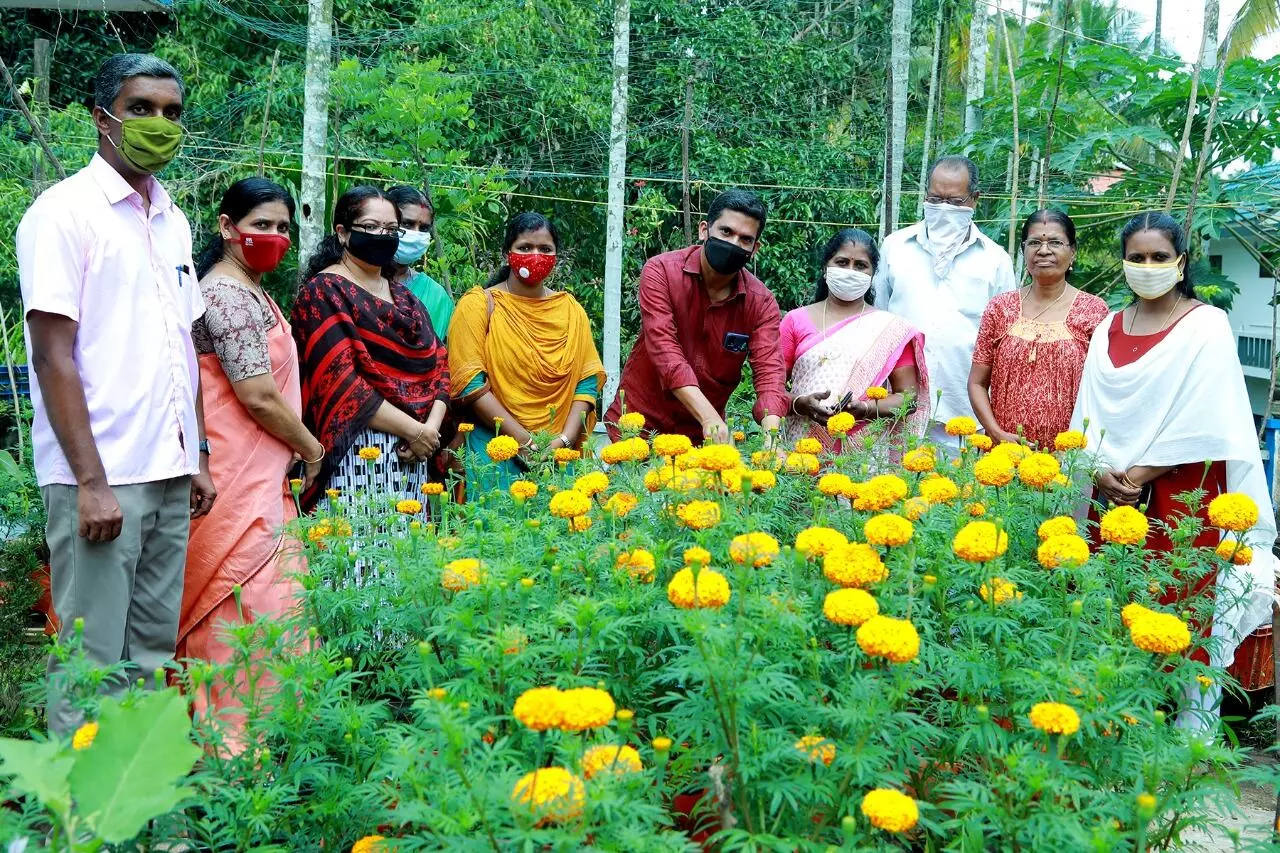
376	250
724	257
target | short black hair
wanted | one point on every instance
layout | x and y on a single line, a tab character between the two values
1051	216
521	223
958	161
403	194
742	201
1168	226
238	202
110	78
849	235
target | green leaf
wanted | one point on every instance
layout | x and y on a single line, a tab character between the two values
131	772
8	465
39	770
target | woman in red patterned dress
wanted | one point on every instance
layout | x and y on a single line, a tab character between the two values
1032	341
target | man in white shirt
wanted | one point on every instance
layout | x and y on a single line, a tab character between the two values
109	296
939	275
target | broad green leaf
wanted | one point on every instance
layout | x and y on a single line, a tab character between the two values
8	466
130	774
39	770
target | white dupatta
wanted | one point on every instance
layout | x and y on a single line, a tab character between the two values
1185	401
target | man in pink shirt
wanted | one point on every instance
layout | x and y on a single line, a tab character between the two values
120	453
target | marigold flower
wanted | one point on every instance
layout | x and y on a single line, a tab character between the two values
592	484
369	844
962	425
696	556
1159	633
1064	550
712	590
892	811
915	508
939	490
1146	802
993	470
889	530
719	457
1234	552
1012	451
1133	611
461	574
855	564
809	446
448	543
894	640
804	463
920	460
979	441
980	541
999	588
369	454
540	708
295	485
621	504
639	563
672	445
762	480
409	506
522	490
84	736
432	489
1233	511
1070	440
977	510
840	423
570	503
835	485
754	549
653	480
765	459
631	422
880	493
332	493
1205	681
1038	470
739	435
581	523
610	759
661	744
616	453
876	392
551	794
817	748
586	708
818	542
1123	525
731	479
1055	718
501	448
699	515
1057	526
849	606
565	455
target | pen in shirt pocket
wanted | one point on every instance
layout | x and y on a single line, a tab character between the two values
182	269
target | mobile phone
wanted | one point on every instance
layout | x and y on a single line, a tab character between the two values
736	342
844	401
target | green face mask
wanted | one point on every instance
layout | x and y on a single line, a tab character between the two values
148	144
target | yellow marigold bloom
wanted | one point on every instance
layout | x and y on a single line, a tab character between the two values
719	457
889	530
999	588
980	441
835	485
639	449
432	489
653	480
731	479
892	811
1205	681
849	606
809	446
592	484
369	844
1070	440
501	448
610	759
767	459
712	590
661	744
333	493
672	445
817	748
616	453
1234	552
1012	451
920	460
804	463
1160	633
739	435
631	422
875	392
621	504
1060	480
855	564
448	543
565	455
1233	511
939	490
696	556
1064	550
980	541
1133	611
409	507
586	708
993	470
762	480
581	523
540	708
461	574
1055	718
1146	802
818	542
83	738
1057	526
894	640
915	508
962	425
551	794
753	549
1123	525
639	563
699	515
977	510
570	503
295	484
1038	470
522	490
369	454
840	423
880	493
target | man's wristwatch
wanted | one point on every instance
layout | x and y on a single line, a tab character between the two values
204	446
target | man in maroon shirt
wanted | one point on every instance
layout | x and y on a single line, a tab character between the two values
701	317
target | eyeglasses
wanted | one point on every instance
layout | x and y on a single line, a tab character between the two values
956	201
1053	245
378	228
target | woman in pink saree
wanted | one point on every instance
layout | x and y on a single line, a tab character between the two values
841	345
240	562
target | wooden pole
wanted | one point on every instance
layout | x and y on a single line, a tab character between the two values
926	147
34	125
1013	91
684	159
40	70
616	214
976	70
315	127
266	115
899	69
1210	31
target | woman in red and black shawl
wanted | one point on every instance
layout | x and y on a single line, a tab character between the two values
374	374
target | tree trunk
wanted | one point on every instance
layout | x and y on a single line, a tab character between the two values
40	104
1208	54
684	159
315	128
1053	110
925	149
614	223
1155	35
976	71
899	69
1014	154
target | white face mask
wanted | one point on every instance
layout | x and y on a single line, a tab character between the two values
946	226
413	245
847	285
1151	281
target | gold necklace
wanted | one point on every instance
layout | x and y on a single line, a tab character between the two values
1035	342
824	359
1134	319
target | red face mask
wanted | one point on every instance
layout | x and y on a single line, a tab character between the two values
531	267
262	252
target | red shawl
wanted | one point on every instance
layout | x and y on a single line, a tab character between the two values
356	351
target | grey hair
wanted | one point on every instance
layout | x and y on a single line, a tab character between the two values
956	161
110	78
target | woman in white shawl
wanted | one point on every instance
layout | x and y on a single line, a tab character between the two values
1164	405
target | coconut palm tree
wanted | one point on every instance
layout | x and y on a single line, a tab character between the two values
1256	20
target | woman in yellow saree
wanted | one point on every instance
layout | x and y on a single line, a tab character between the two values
522	354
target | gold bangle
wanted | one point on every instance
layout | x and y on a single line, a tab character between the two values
319	458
